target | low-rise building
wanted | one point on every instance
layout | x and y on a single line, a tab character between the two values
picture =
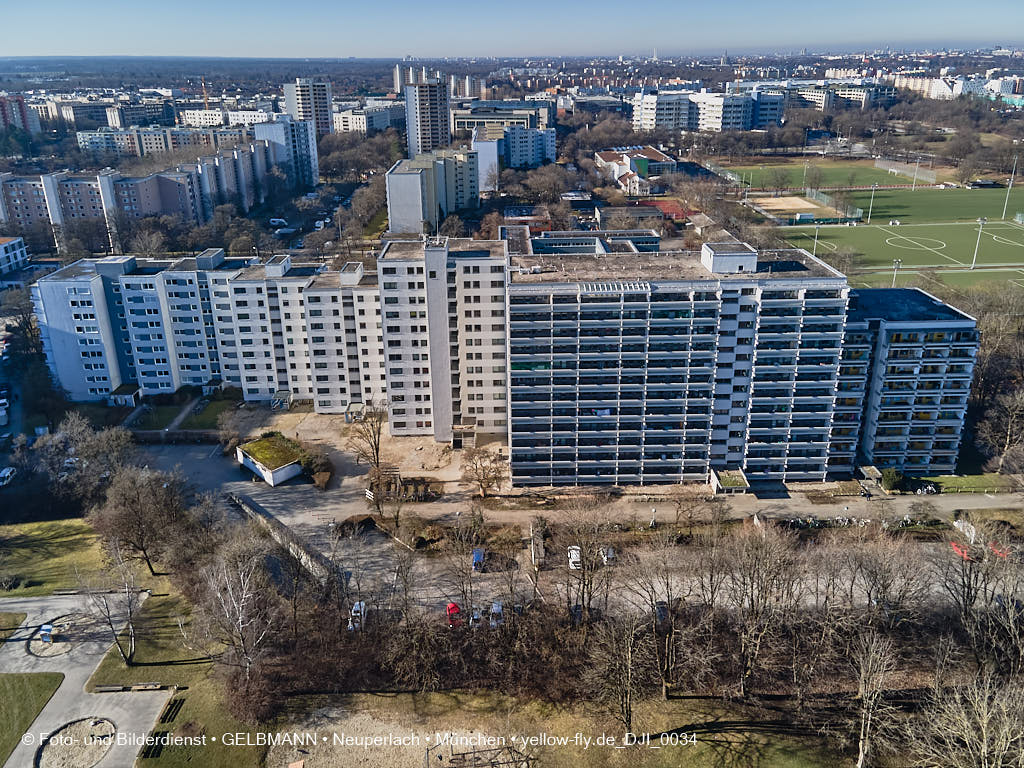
13	254
369	120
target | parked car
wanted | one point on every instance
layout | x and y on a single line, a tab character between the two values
319	225
6	475
278	223
357	616
497	614
476	618
607	555
575	558
478	559
454	614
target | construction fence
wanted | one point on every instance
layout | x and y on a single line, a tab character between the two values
910	170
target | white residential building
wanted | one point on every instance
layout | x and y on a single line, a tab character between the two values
293	148
656	368
426	116
422	191
13	254
310	100
369	120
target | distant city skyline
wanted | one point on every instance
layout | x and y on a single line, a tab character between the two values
319	29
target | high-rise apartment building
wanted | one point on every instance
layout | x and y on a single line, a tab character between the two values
139	142
310	100
602	360
148	113
292	145
14	113
190	190
426	116
13	254
422	191
703	111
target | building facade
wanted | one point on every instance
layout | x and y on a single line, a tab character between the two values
654	368
149	113
13	254
369	120
426	116
139	142
190	190
292	147
422	191
310	100
15	113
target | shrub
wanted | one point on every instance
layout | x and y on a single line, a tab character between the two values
892	479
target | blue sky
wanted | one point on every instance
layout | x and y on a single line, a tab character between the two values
393	28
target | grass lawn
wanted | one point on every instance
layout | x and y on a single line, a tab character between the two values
375	228
207	418
943	246
984	483
158	417
724	731
102	415
273	451
834	173
8	623
45	555
930	204
22	698
160	657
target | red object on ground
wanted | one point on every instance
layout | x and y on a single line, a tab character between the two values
1000	552
453	612
960	550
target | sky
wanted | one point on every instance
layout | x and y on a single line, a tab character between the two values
395	28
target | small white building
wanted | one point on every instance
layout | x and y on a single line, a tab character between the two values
274	458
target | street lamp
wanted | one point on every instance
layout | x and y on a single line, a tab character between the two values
871	205
1009	186
256	251
815	251
981	225
895	268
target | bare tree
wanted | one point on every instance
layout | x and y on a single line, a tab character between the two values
115	601
762	586
366	434
619	670
238	610
873	660
141	504
976	725
653	577
586	525
1001	431
484	469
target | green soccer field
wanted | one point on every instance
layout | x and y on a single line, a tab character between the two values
922	205
833	174
941	246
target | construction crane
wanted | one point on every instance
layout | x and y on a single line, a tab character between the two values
206	98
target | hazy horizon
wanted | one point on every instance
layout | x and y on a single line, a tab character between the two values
68	28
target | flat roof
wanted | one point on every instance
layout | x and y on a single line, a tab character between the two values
791	264
412	250
900	305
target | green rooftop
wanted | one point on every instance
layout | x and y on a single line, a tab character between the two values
732	478
273	451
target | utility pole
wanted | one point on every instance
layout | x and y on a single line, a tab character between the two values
1009	186
871	205
895	268
981	225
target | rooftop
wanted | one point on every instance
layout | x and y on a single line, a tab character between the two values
412	250
791	264
900	305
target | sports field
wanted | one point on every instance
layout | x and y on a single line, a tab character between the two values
847	173
930	204
938	245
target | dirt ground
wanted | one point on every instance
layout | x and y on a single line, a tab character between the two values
70	750
338	724
790	204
